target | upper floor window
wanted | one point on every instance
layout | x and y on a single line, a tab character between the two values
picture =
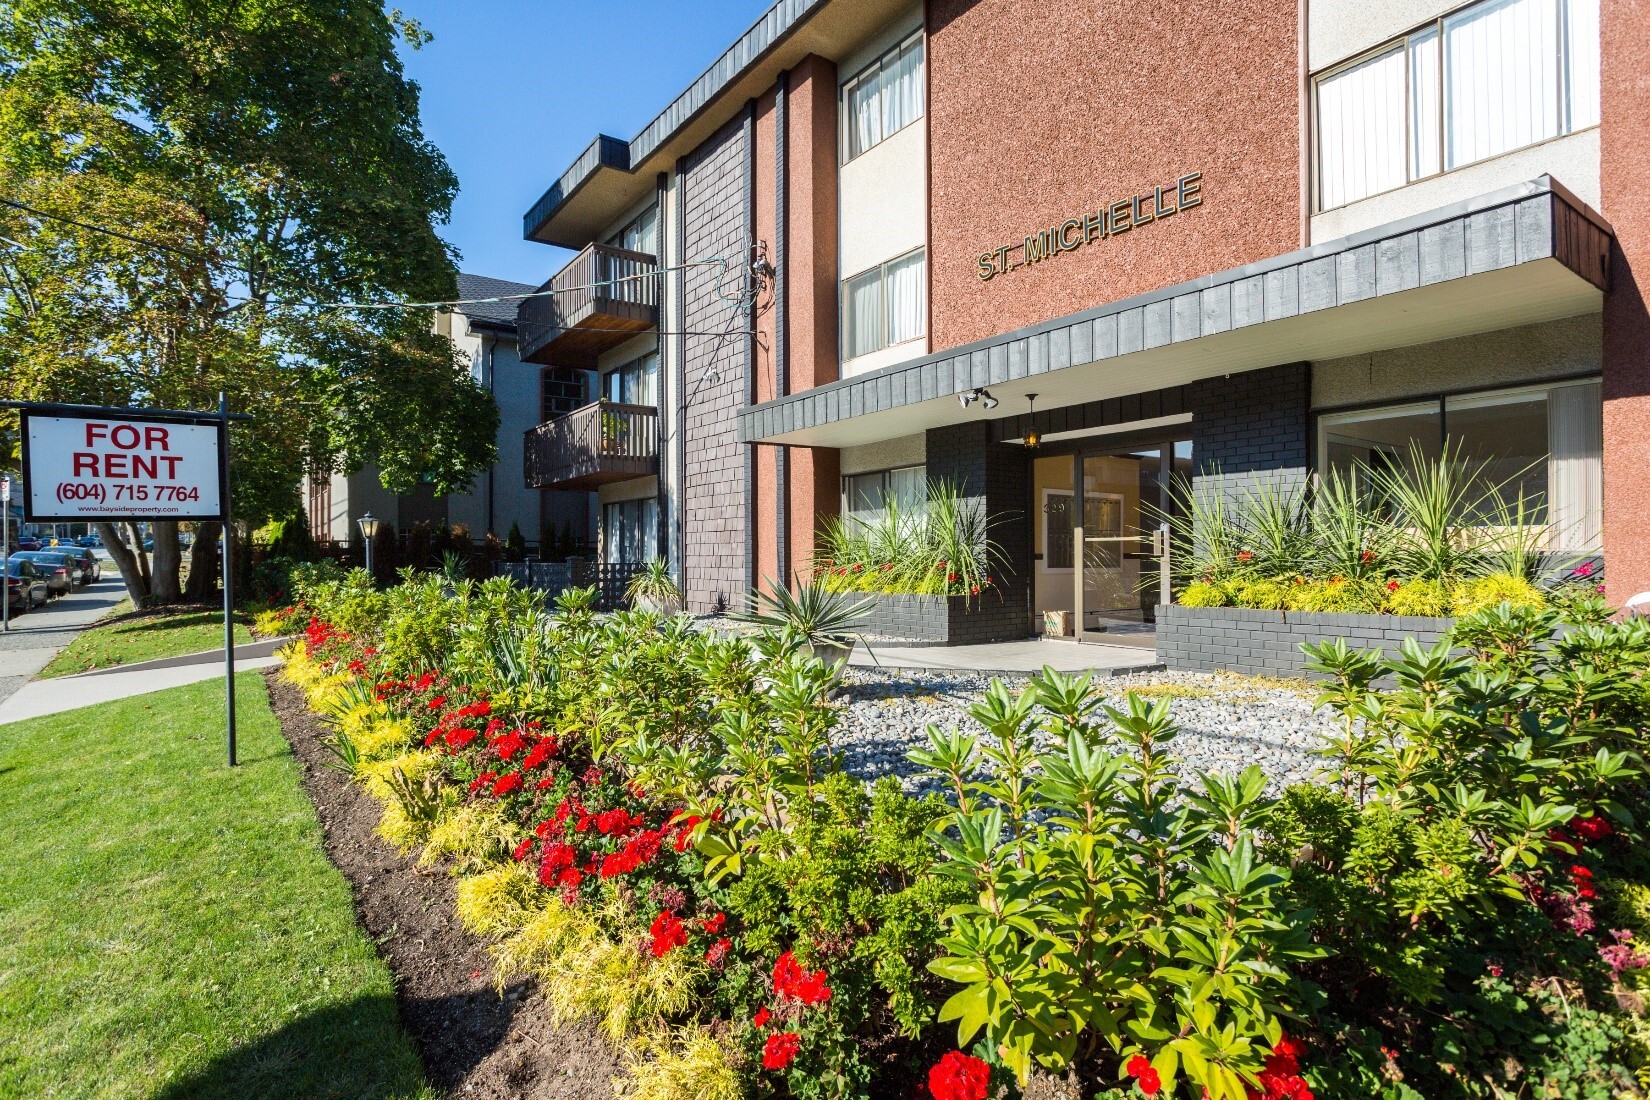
1490	78
884	306
884	99
635	383
641	234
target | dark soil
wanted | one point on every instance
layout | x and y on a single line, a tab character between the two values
474	1042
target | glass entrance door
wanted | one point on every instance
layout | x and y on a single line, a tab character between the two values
1126	498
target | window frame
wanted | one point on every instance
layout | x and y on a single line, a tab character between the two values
1402	43
616	238
872	70
883	321
615	372
886	475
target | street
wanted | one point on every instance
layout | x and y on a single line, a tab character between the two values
36	637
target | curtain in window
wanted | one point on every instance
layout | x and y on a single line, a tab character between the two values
909	486
630	531
1425	152
864	116
901	88
1361	130
1575	477
1581	33
864	314
906	319
1501	77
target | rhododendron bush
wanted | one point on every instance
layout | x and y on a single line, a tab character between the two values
653	821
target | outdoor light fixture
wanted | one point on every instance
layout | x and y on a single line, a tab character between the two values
990	402
369	531
1032	439
968	397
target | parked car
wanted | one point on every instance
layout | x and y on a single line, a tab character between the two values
90	542
58	569
90	566
26	587
28	544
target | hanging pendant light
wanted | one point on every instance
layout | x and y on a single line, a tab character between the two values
1032	440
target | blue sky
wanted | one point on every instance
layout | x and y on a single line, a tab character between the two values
513	90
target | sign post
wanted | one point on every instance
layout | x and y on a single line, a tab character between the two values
87	463
5	551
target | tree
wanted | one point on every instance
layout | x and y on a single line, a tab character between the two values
189	187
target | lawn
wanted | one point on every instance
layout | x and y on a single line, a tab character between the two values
126	638
172	927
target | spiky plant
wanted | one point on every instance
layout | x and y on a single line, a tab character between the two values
818	615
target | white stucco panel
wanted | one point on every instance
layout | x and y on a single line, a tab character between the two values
884	210
1339	29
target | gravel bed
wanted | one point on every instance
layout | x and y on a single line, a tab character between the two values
1226	722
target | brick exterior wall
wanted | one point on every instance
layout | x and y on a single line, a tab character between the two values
1253	426
945	620
997	476
1267	643
716	375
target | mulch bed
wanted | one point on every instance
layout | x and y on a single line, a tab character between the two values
474	1042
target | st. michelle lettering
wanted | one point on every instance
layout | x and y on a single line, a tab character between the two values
127	451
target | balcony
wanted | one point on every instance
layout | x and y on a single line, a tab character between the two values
602	298
592	446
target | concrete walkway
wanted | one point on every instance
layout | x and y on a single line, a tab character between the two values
39	635
66	693
1014	657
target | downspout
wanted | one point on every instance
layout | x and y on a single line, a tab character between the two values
489	342
679	376
1303	90
781	324
662	534
749	135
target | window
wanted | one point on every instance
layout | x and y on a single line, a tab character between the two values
863	494
1544	442
635	383
1494	77
641	235
630	531
885	305
884	99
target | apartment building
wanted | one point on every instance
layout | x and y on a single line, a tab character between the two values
1027	245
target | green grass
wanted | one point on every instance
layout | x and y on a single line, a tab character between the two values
171	927
128	638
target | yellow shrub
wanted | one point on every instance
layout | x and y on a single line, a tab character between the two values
691	1064
1335	596
1205	594
1420	597
1261	594
1497	588
378	737
475	836
270	622
378	775
498	901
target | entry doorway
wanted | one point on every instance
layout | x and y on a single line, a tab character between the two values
1111	584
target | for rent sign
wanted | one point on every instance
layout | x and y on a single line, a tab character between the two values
82	468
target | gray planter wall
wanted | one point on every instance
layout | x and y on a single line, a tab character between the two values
945	620
1267	643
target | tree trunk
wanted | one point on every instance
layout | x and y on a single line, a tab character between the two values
167	560
129	563
204	566
142	557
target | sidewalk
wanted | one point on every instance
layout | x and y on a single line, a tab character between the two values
1013	658
66	693
37	636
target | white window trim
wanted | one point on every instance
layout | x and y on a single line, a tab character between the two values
1401	42
845	318
871	70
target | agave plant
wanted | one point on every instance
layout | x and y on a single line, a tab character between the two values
1350	536
1274	528
654	586
1437	505
814	614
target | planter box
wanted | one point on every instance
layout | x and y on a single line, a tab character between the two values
1267	643
944	620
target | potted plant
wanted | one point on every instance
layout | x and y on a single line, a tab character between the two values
654	589
818	617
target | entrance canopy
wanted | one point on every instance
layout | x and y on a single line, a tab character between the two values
1518	256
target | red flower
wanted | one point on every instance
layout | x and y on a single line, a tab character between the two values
668	933
506	784
541	752
780	1048
790	980
1392	586
482	780
522	849
958	1076
510	744
762	1016
1244	555
1280	1079
438	702
713	926
716	956
615	822
1583	878
1140	1068
1592	828
684	832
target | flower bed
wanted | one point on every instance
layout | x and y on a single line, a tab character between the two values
653	823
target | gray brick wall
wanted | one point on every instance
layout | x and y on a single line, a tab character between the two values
716	373
945	620
997	476
1267	643
1252	426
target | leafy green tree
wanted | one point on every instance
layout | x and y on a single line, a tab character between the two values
187	189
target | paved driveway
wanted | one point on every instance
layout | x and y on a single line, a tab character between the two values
36	637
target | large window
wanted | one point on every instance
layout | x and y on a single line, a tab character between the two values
1545	443
630	531
1492	77
884	306
883	99
863	494
635	383
641	234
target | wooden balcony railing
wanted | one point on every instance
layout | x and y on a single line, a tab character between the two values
599	443
602	298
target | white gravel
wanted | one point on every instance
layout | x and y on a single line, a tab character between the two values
1226	722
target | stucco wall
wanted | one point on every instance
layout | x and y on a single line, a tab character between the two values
906	450
1506	357
1339	29
1041	110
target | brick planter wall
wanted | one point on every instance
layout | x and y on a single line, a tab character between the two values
1267	643
945	620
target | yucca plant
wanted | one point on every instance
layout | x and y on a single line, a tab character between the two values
1436	505
1518	541
818	616
1273	526
655	588
1350	537
1206	536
